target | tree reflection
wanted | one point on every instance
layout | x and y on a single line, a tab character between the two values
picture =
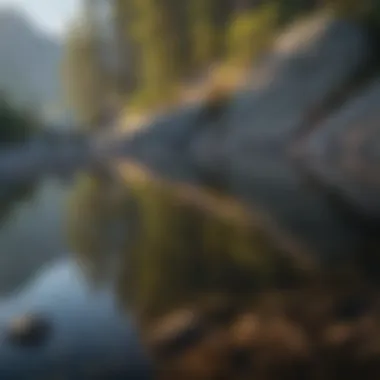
11	195
185	249
162	252
96	224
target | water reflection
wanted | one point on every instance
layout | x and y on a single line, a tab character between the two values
213	298
11	195
161	253
31	231
97	225
90	338
164	256
136	252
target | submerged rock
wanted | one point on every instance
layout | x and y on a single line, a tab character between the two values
28	330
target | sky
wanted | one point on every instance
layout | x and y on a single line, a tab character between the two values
52	16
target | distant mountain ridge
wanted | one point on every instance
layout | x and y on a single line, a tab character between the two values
29	62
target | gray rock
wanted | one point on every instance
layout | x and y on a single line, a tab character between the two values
249	151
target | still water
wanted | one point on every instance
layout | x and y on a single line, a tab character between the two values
50	268
105	261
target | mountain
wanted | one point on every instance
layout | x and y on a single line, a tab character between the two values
29	62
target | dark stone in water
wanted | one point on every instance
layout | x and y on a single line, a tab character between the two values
28	330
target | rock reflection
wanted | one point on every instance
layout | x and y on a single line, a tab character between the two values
164	254
184	249
96	225
212	297
168	252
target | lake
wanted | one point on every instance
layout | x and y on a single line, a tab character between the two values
119	272
42	273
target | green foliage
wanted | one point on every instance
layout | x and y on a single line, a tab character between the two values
16	125
203	33
162	43
146	98
95	210
365	10
173	39
288	10
83	78
251	32
157	69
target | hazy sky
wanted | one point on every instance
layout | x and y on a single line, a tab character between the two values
51	15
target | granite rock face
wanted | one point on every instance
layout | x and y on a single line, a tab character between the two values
295	145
